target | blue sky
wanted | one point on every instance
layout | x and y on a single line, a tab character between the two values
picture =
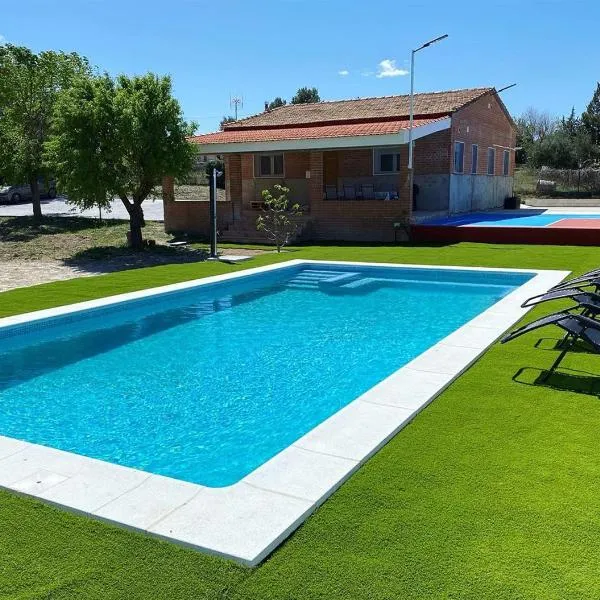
267	48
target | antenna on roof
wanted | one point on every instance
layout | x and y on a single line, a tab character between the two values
235	102
506	87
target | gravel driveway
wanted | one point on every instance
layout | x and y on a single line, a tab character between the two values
153	210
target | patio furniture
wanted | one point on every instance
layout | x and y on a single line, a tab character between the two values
331	192
349	192
578	327
589	301
368	191
591	278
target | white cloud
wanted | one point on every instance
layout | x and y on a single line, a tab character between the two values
344	72
388	68
2	39
367	73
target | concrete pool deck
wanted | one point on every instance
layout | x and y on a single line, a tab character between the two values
248	520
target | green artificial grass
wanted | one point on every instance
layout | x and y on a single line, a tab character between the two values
492	492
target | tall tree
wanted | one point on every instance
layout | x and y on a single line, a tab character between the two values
591	117
29	86
276	103
306	95
118	138
533	126
225	120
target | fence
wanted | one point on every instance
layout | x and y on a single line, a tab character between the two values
546	181
573	181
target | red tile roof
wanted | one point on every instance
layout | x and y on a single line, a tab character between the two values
342	118
431	103
307	132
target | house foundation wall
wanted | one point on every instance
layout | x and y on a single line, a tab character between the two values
478	192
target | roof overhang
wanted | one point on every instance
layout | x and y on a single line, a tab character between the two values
327	143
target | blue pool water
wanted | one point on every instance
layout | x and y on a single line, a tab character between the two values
207	384
525	218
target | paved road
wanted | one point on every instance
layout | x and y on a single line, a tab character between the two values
153	210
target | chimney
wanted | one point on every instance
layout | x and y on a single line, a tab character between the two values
266	106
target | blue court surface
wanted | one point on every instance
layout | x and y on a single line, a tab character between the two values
518	218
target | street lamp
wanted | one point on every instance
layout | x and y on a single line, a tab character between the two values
411	111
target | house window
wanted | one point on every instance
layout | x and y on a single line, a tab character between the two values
474	158
268	165
506	162
459	157
387	160
491	161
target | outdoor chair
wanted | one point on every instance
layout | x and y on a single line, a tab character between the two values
331	192
349	192
591	278
368	191
589	301
577	327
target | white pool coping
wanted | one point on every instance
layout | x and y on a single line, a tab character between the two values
248	520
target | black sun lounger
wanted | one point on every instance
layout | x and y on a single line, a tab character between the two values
578	327
592	278
588	301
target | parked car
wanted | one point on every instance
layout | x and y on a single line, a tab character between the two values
14	194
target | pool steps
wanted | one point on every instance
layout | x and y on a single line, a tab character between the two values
337	282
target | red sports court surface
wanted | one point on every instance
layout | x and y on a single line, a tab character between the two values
576	224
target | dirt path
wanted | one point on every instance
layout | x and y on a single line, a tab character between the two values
18	273
23	273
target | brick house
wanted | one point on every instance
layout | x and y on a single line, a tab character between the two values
345	163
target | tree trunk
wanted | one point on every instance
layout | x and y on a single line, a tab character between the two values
136	222
35	199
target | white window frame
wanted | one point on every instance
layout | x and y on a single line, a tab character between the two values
454	169
493	163
256	165
506	163
377	152
475	163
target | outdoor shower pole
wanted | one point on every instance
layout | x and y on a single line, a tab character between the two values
213	214
412	113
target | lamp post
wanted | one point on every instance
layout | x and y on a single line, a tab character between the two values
412	110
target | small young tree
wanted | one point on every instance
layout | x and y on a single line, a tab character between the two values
118	138
306	95
29	86
276	222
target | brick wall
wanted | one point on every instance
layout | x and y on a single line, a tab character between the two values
315	183
484	123
355	163
359	220
295	166
432	154
192	216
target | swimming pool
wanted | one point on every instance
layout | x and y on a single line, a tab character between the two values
219	413
206	385
520	218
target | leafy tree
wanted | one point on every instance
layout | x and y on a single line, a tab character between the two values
532	127
572	125
220	166
276	222
306	95
276	103
555	150
118	137
225	120
591	117
29	87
